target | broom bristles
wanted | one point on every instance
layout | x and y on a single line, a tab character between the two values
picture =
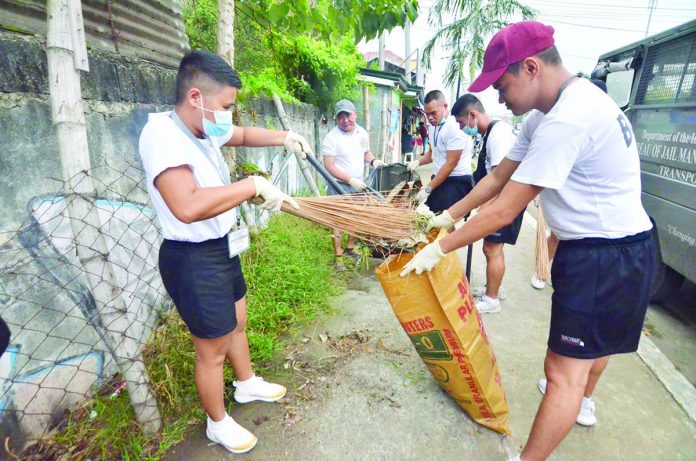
541	253
359	215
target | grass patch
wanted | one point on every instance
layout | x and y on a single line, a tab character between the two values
289	272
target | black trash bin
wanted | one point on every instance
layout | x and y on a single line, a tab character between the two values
386	178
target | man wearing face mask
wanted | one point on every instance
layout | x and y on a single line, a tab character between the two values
346	150
577	149
497	141
189	186
450	155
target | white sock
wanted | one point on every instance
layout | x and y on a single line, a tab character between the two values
586	399
217	424
488	298
246	381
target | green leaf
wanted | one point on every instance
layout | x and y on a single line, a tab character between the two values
278	11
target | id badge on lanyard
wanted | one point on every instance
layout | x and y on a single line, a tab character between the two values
238	239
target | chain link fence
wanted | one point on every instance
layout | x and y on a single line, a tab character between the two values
80	312
64	344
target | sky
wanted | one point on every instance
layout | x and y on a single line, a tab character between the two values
584	30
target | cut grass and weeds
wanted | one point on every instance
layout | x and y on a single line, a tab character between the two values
289	273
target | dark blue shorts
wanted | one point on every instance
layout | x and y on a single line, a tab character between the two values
507	234
601	293
452	190
204	283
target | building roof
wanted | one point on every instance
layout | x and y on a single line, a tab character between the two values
388	56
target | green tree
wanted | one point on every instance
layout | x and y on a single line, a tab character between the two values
300	51
475	21
336	19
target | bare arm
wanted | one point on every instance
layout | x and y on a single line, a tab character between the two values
453	157
369	157
489	187
190	203
514	197
335	170
256	137
427	158
489	202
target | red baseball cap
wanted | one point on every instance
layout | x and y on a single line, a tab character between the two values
510	45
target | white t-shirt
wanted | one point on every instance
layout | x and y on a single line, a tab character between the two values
448	136
348	148
583	153
499	142
163	145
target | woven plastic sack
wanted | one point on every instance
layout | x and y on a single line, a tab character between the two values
438	312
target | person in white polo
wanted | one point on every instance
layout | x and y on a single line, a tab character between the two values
346	150
497	141
450	154
196	204
577	151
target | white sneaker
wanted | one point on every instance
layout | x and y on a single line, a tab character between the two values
586	416
230	435
537	283
486	305
255	388
481	291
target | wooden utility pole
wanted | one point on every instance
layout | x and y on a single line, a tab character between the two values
66	52
407	51
225	30
380	51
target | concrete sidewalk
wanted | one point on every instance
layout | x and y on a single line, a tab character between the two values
359	391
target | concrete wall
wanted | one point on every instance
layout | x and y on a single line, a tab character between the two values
57	355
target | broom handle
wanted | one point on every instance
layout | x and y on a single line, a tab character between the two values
322	171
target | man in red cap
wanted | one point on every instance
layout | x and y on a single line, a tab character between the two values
576	149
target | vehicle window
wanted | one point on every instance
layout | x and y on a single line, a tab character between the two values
619	86
669	72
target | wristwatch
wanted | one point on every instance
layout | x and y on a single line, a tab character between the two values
428	189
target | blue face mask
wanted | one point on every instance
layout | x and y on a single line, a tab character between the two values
222	125
470	131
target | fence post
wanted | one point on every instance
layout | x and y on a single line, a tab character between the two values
302	162
80	197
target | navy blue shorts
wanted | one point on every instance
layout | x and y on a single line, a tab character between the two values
601	289
204	283
452	190
507	234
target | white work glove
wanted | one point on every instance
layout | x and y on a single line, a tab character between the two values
423	194
357	184
444	220
377	164
424	260
273	197
413	165
295	143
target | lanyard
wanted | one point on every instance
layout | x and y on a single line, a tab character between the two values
219	163
437	130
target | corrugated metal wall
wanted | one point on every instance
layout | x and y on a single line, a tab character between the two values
147	29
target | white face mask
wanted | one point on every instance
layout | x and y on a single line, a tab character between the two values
222	125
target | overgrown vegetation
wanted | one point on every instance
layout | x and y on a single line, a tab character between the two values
289	273
300	51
